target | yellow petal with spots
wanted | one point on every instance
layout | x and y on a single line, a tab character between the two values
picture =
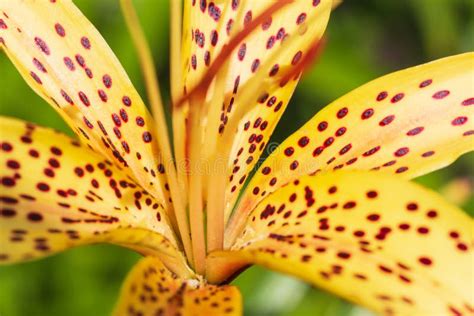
66	61
56	194
407	123
151	289
374	239
255	82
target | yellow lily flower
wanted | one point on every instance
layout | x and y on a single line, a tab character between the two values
332	205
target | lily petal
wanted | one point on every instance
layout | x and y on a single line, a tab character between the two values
57	193
408	123
151	289
374	239
253	86
66	61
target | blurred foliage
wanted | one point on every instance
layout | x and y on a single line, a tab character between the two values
366	39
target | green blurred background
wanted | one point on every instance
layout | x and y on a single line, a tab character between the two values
366	39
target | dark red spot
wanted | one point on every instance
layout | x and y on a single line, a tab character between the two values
425	261
367	114
426	83
341	131
296	58
35	217
80	60
382	96
123	115
387	120
67	97
289	151
372	194
303	141
85	42
415	131
35	77
84	98
342	112
397	97
371	151
345	149
349	205
146	137
322	126
107	80
467	102
13	164
401	169
42	45
39	65
401	152
271	41
274	70
242	51
126	100
60	30
43	186
460	120
294	165
441	94
373	217
69	63
102	95
140	121
301	18
318	151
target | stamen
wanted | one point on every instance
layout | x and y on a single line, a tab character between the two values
151	82
196	211
175	49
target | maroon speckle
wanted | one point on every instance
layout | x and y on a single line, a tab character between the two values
426	83
107	80
69	63
35	217
289	151
274	70
84	98
102	95
469	101
415	131
146	137
39	65
367	114
342	112
35	77
401	152
85	42
387	120
301	18
80	60
397	97
126	101
242	51
322	126
140	121
382	96
67	97
460	120
60	30
441	94
42	45
271	42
